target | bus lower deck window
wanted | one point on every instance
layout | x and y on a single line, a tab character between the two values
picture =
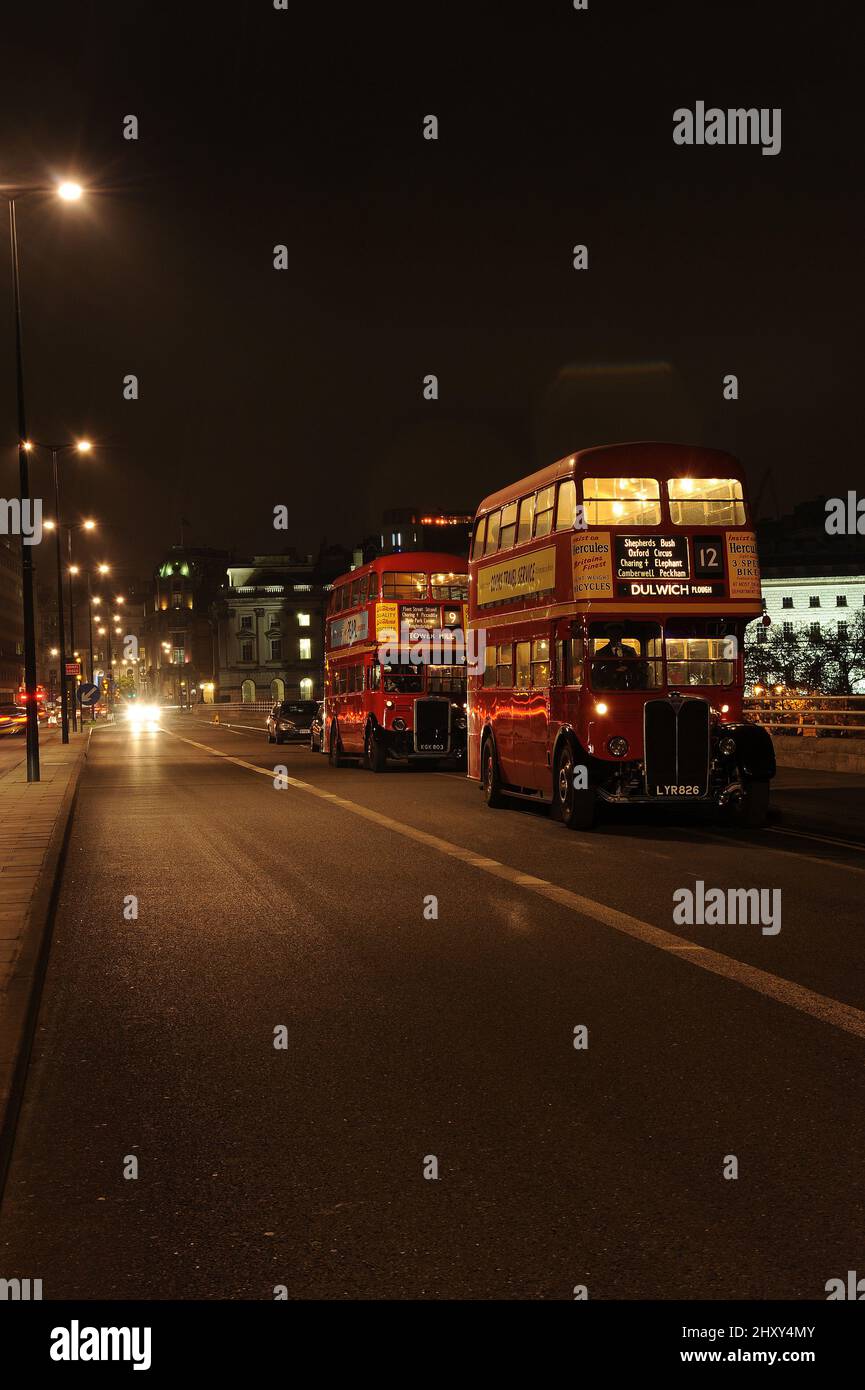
505	667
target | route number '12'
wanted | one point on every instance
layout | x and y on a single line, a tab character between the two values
708	563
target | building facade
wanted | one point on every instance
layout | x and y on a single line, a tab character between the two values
269	628
411	528
813	583
177	636
818	603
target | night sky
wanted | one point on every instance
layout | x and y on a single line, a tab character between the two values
303	387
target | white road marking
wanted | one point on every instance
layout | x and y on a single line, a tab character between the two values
806	1001
812	835
795	853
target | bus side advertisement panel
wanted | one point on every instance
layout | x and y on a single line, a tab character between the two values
743	569
386	620
535	573
344	631
592	563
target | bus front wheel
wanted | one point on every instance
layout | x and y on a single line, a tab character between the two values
491	785
375	753
574	807
750	810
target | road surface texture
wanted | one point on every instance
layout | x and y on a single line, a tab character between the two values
411	1035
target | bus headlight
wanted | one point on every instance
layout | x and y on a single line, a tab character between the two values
727	747
601	707
618	746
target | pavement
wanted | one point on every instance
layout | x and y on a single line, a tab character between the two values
426	962
33	822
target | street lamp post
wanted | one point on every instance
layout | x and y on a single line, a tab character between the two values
82	447
69	192
64	709
24	499
73	570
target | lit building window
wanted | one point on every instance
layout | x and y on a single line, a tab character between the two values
303	620
306	688
305	649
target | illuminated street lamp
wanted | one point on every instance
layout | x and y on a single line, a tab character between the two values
68	191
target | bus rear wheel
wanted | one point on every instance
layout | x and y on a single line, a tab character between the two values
491	785
374	752
574	807
334	751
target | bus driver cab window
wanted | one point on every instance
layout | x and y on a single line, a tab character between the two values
625	660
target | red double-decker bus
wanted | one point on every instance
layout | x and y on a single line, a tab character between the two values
613	590
395	661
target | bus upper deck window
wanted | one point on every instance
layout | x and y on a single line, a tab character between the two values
527	514
478	539
622	501
508	531
492	541
372	587
396	585
567	505
544	510
706	502
454	587
354	598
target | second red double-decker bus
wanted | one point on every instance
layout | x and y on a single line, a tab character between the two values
395	661
613	589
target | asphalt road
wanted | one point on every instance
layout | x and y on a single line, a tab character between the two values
410	1036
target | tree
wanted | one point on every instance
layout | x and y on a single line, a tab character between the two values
842	656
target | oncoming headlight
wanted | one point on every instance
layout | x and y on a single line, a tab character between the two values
618	746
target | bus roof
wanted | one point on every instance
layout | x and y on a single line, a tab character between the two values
418	561
614	460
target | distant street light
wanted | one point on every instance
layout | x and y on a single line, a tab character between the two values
69	192
80	446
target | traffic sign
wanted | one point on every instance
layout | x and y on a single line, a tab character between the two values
88	694
73	668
